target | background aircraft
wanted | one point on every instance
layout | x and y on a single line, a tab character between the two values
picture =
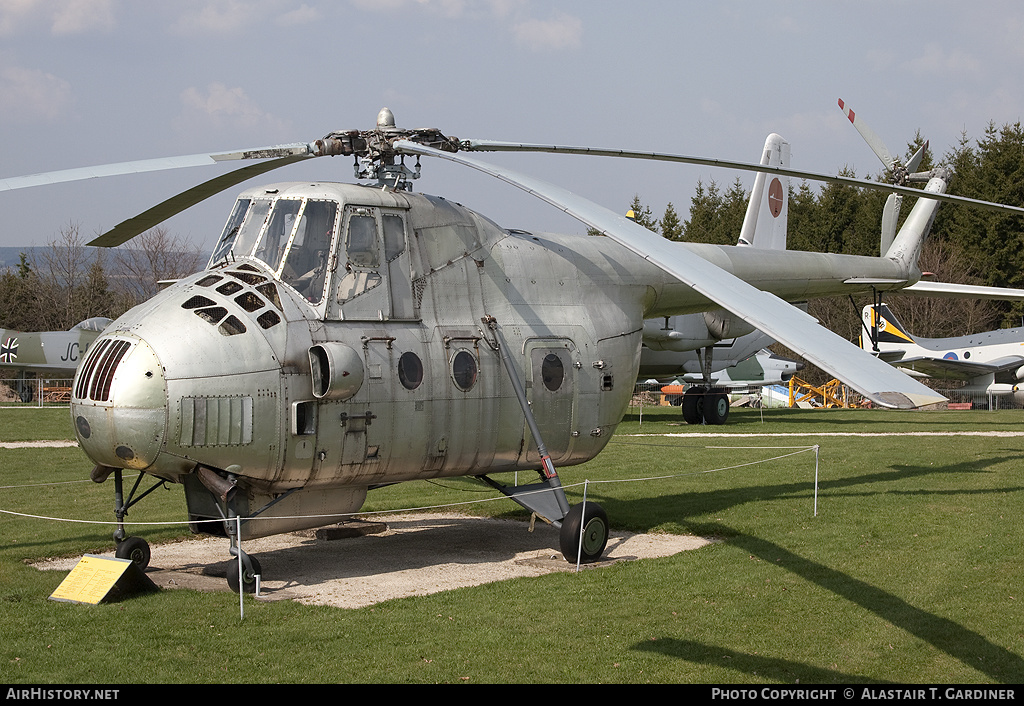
763	369
692	345
990	363
54	354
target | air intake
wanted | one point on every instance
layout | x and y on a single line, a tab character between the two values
98	371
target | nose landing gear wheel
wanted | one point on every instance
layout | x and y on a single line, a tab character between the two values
135	549
592	520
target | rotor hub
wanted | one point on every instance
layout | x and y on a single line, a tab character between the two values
375	152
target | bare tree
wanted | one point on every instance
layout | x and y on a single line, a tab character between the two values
154	256
62	270
942	317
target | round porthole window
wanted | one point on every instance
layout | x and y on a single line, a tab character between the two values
552	372
410	370
464	370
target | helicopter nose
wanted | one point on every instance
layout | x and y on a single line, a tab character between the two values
119	402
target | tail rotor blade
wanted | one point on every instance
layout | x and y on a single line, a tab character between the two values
873	140
915	161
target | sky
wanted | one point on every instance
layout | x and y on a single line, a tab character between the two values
85	82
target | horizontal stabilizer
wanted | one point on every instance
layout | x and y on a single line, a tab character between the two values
963	291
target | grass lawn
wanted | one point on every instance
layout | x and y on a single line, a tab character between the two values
910	572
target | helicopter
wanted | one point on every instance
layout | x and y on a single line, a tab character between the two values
345	337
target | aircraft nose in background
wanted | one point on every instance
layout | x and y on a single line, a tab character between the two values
119	403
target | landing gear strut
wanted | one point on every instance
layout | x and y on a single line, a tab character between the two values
135	549
547	498
221	491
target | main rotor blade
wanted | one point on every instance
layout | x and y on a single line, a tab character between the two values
152	165
126	230
498	146
876	380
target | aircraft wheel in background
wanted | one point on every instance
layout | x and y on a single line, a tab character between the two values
693	405
716	407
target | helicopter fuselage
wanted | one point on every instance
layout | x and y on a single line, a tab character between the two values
336	342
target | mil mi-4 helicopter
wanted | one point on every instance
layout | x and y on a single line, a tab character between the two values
345	337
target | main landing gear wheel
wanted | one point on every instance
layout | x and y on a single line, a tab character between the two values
693	405
250	567
716	408
705	405
593	521
135	549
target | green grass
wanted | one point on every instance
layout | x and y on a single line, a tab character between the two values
909	573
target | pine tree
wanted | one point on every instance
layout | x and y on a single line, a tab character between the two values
642	214
671	226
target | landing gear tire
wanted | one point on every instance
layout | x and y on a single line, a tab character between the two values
136	550
248	574
591	519
693	405
716	408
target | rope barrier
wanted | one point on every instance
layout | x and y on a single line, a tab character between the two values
238	520
421	508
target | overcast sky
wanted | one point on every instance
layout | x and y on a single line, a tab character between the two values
87	82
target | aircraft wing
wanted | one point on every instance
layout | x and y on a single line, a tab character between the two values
878	381
948	369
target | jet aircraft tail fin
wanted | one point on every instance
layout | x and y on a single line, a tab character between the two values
764	225
883	328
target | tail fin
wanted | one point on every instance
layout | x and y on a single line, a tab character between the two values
883	328
764	225
907	246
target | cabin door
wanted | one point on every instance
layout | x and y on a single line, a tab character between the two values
552	393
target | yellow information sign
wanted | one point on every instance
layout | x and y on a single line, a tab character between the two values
91	579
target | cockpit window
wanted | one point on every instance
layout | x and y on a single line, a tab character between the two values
362	241
227	238
394	237
250	230
279	229
305	267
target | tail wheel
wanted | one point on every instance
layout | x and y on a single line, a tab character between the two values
584	533
250	568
